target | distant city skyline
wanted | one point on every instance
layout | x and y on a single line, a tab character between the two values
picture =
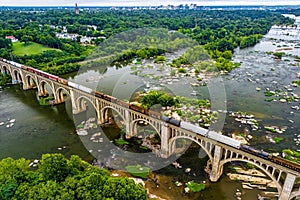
144	3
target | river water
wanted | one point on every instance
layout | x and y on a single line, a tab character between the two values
52	129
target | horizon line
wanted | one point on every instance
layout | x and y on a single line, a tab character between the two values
245	5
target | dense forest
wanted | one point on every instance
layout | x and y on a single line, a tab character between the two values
219	32
55	177
290	11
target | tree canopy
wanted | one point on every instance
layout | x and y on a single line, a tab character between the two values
59	178
219	31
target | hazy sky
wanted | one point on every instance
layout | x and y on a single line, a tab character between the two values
142	2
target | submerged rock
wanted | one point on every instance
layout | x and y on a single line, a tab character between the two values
81	132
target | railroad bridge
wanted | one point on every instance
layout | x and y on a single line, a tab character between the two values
287	180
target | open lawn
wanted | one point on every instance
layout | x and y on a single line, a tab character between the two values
20	49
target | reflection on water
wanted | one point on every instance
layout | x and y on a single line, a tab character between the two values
37	129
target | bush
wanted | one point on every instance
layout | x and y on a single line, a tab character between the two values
182	70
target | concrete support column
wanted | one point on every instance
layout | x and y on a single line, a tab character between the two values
287	187
55	94
73	100
216	170
25	82
165	136
98	111
128	129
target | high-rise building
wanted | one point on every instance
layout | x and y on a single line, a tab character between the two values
76	9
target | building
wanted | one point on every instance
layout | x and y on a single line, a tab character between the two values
76	9
12	38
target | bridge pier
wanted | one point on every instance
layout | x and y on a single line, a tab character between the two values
165	135
287	187
75	109
216	170
129	132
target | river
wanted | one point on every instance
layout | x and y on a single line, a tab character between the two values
52	129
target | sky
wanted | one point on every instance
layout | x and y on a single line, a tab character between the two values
142	2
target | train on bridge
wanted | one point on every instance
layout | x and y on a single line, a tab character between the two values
179	123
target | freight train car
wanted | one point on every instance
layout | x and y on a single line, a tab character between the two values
194	128
30	69
73	85
136	108
224	139
98	94
62	81
109	98
18	65
154	114
85	89
170	120
257	152
122	103
285	163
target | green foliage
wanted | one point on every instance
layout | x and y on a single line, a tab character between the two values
195	187
269	94
195	54
4	79
32	48
278	54
158	97
249	166
5	43
8	191
182	70
44	101
138	170
292	155
159	59
297	82
248	41
203	103
277	139
270	129
59	178
54	167
177	62
219	32
121	142
236	65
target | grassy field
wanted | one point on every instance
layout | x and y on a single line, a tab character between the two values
20	49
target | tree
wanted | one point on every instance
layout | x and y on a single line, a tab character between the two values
26	39
54	167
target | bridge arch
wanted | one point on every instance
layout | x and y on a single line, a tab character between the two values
31	81
17	75
60	94
133	125
171	143
279	187
5	69
43	88
81	104
105	109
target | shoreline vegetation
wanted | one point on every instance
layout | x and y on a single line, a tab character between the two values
60	178
217	32
5	79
